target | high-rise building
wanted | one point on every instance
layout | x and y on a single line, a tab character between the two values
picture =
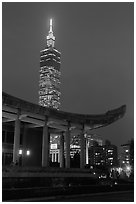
94	138
111	154
49	84
97	155
105	155
125	154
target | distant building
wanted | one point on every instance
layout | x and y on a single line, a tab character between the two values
92	138
49	84
105	155
97	156
111	155
132	152
125	154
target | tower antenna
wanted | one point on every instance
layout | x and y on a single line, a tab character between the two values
51	25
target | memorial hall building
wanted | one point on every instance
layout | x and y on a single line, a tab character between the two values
27	128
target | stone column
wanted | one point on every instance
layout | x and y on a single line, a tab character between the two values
45	145
67	140
16	140
86	143
24	144
58	156
55	157
82	147
52	157
62	150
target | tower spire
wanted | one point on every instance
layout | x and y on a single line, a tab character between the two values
49	84
50	38
51	25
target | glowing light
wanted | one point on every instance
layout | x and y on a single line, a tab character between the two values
128	168
110	150
110	158
119	170
28	152
20	151
50	25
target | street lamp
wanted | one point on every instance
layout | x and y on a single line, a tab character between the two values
28	152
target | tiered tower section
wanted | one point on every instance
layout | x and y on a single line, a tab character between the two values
49	93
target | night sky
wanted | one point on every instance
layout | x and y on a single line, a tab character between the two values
96	42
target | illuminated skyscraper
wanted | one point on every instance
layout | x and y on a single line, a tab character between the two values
49	84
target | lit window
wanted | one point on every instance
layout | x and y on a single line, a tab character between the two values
97	153
110	158
110	150
127	150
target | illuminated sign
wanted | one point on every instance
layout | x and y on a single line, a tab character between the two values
53	146
74	146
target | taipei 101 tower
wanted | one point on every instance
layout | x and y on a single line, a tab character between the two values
49	84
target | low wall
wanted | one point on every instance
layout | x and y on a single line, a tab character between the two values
20	193
45	172
29	182
31	177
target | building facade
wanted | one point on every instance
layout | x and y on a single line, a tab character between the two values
49	84
125	154
111	155
94	138
103	156
27	128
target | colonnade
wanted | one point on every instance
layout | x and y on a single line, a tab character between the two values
46	144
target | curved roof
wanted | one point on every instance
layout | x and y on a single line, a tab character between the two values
91	120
